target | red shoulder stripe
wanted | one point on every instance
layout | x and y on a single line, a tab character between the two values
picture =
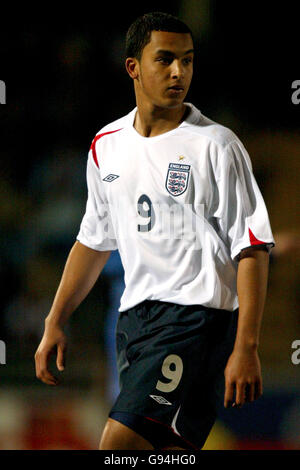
254	240
93	146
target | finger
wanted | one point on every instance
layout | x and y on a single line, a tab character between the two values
42	371
61	356
48	378
240	394
229	393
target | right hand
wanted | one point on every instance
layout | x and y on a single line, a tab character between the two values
54	336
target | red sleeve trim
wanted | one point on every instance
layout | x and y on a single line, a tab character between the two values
93	146
254	240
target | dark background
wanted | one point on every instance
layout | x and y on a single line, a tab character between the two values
63	66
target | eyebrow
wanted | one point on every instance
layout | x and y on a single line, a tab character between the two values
170	53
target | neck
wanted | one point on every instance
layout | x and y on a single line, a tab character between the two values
152	120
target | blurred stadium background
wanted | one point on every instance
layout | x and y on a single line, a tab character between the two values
65	79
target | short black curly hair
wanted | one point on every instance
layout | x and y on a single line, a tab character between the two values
139	33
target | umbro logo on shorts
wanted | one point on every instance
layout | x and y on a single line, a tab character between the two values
160	400
110	178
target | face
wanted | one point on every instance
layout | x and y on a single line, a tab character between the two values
164	73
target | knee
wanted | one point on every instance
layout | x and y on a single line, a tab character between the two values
117	436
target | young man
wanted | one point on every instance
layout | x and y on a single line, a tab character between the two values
174	192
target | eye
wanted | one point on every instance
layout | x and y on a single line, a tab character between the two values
164	60
187	60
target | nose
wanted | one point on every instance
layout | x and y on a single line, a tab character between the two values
177	70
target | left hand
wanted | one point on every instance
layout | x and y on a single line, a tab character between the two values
242	378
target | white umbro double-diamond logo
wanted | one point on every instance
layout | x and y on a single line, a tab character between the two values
110	178
160	400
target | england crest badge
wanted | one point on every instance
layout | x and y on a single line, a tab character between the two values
177	178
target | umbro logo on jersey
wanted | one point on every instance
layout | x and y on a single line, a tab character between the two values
110	178
160	400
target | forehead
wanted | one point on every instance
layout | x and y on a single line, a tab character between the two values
163	40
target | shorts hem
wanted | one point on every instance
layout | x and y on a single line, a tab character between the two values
172	433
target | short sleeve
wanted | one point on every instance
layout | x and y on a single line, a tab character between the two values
239	206
96	229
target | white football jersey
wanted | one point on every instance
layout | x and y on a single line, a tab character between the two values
179	207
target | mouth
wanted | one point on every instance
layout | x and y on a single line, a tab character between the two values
176	89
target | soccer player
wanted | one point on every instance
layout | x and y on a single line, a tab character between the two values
174	192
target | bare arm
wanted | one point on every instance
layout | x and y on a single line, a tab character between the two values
243	372
81	271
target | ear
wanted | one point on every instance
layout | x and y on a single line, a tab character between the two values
132	67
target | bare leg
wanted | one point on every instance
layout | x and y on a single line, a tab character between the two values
117	436
173	448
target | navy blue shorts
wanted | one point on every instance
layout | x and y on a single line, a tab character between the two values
171	361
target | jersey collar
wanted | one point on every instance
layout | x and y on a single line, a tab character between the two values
192	118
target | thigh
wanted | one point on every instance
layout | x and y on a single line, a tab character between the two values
117	436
